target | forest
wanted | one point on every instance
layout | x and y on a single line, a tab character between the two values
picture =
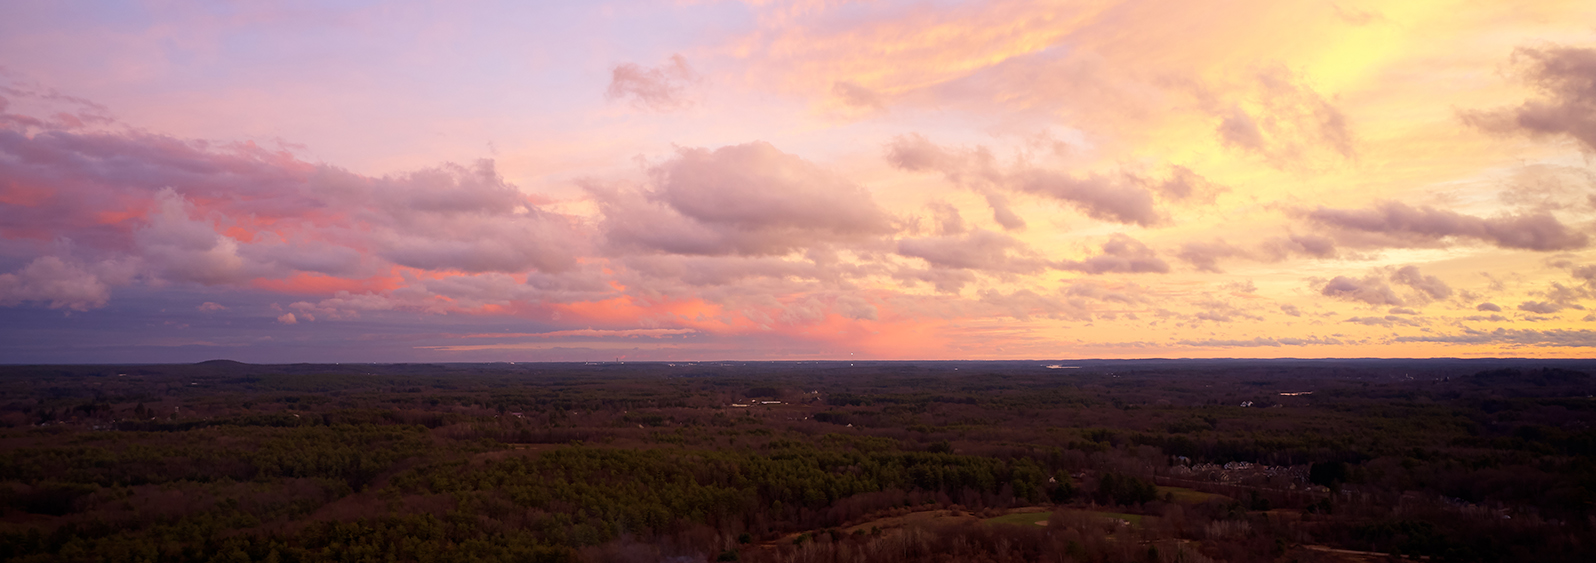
1057	461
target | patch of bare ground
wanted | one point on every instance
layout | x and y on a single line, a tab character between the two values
893	520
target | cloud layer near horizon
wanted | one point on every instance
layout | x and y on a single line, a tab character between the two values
797	180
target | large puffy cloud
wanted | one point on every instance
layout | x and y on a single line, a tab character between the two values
1395	223
1371	289
1566	76
749	199
64	284
465	218
1375	289
193	211
1121	197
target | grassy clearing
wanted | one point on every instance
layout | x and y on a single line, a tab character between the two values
1032	518
1188	496
1021	518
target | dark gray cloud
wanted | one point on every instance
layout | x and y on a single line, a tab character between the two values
1566	78
1489	307
1121	254
660	88
1401	224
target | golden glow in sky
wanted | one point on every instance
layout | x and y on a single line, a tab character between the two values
400	181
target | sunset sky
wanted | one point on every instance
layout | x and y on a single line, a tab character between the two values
547	181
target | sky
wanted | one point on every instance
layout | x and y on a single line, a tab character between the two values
402	181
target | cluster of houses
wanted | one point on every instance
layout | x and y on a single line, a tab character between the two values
1293	477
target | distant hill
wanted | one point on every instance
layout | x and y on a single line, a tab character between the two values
221	363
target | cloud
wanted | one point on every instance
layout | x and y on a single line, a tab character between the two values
1205	256
1566	78
1122	293
1282	120
1582	338
1114	198
210	307
1386	321
1403	225
1121	254
945	280
465	218
1280	248
1120	197
1262	342
1221	311
1543	188
1374	289
184	249
1291	310
1430	286
1586	273
949	221
1371	289
288	319
1183	185
980	250
1024	304
660	88
1488	307
172	210
854	95
618	333
1539	307
63	284
749	199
